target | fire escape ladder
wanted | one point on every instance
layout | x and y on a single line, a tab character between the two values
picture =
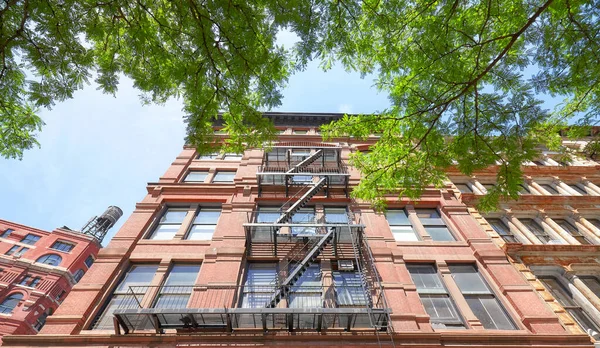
306	162
286	216
283	289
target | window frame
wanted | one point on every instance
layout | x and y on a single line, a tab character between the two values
159	222
6	233
431	223
46	257
402	227
506	232
192	172
62	245
10	297
179	290
220	181
193	223
27	238
484	291
457	322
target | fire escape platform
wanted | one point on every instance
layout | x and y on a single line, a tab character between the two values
231	319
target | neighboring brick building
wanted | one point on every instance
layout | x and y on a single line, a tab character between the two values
551	233
37	271
267	249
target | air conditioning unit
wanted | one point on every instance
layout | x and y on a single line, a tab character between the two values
345	265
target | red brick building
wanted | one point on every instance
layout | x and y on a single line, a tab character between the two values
268	249
37	271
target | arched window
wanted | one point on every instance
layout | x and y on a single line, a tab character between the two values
41	320
50	259
10	303
78	275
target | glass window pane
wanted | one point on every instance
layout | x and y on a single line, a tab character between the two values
174	216
536	229
137	276
165	232
201	232
425	277
487	309
439	307
428	213
593	284
578	189
397	217
561	294
182	275
550	189
468	279
261	274
196	176
224	177
172	301
464	188
440	234
267	214
207	216
404	234
524	190
336	215
584	320
310	280
348	288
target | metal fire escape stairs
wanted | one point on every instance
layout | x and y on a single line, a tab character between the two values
283	289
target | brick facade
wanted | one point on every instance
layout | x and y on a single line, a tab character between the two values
41	286
225	259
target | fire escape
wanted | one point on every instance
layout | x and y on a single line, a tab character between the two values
353	300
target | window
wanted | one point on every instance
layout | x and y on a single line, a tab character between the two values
78	275
595	222
537	230
22	251
539	162
304	216
7	232
306	292
50	259
488	187
434	225
30	239
464	188
222	176
302	179
35	281
336	215
504	231
349	289
12	250
551	190
60	295
176	291
195	176
25	281
8	305
300	131
204	224
578	189
565	297
400	225
30	281
135	282
259	285
209	156
592	283
41	320
62	246
435	298
523	190
169	224
89	261
572	230
232	157
480	298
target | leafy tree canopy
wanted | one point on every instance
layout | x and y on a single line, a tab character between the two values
454	71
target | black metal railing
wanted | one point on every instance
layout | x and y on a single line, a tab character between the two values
228	308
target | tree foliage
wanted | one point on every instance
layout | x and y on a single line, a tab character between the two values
464	78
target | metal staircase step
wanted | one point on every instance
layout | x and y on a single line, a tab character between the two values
306	162
299	270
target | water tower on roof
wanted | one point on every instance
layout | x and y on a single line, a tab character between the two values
98	226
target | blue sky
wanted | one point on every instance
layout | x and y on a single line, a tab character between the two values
98	150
